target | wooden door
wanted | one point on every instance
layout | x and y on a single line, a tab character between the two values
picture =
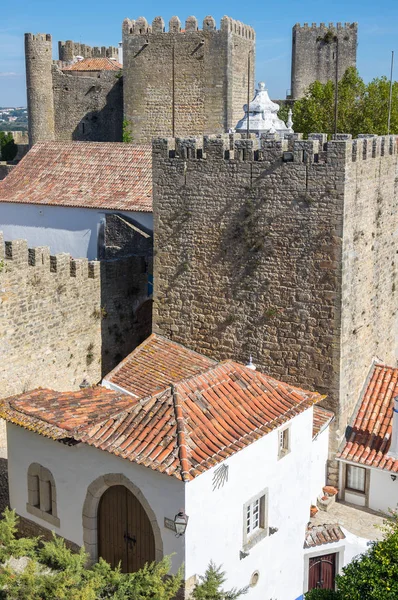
125	533
322	571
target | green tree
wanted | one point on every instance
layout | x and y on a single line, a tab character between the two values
361	108
372	575
8	148
34	570
209	587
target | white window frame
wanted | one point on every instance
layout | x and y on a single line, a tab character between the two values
283	447
255	519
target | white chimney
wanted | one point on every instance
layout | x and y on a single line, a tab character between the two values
393	451
120	52
250	364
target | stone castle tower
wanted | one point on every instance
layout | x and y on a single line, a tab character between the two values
188	81
283	250
315	51
38	54
71	105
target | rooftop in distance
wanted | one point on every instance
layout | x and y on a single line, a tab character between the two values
105	175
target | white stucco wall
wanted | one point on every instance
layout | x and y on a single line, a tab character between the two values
74	468
319	457
215	528
63	229
383	491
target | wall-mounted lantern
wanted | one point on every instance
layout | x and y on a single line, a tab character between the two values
180	523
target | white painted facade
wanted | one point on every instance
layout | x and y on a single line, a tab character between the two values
215	528
381	490
319	457
73	469
64	229
216	514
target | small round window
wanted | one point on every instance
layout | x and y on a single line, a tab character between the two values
254	579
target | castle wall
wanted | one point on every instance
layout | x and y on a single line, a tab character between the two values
88	108
38	56
247	256
5	169
67	51
50	330
314	53
370	276
184	83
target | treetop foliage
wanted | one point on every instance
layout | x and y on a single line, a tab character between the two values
8	148
362	108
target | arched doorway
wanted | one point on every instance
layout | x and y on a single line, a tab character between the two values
125	532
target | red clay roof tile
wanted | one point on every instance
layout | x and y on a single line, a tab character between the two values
113	176
370	433
155	364
322	418
94	64
317	535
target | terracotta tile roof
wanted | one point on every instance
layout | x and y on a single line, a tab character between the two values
183	430
369	439
62	414
155	364
115	176
94	64
322	418
317	535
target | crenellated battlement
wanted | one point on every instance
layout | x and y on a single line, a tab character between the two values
15	254
292	149
68	50
337	26
39	37
142	27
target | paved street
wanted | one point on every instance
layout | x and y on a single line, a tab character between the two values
361	522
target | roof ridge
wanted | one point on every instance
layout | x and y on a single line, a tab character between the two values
181	435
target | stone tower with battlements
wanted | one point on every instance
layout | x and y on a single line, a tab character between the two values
185	82
38	54
284	251
67	51
317	50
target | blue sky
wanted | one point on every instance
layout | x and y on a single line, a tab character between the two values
98	23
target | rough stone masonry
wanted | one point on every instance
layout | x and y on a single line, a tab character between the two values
50	321
285	251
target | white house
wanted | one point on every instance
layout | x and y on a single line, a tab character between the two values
169	432
60	194
369	455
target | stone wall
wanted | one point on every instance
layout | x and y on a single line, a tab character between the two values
50	326
126	307
286	253
5	169
88	108
370	276
314	53
248	254
68	50
186	82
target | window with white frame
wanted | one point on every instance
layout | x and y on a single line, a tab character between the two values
255	525
355	478
284	442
